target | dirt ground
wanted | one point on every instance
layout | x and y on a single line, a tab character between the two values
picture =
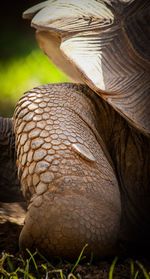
11	221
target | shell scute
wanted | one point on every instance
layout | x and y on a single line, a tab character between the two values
104	45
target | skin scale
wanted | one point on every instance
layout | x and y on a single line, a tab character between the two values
83	169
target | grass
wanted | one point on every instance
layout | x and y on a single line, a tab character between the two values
22	73
29	268
36	266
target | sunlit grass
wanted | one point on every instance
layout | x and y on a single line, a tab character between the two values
36	266
23	73
33	269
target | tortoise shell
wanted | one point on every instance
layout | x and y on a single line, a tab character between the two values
103	43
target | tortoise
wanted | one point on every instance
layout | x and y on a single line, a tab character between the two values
83	148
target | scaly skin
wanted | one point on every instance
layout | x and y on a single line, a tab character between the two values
66	173
84	172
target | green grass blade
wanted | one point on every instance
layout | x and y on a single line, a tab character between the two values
10	264
132	269
62	276
45	260
147	276
136	274
79	258
32	258
112	268
26	271
27	275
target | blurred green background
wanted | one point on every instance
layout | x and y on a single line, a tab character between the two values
22	64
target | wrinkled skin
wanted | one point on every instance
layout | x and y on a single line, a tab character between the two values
84	172
9	184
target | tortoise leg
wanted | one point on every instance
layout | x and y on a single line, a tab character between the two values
66	174
9	184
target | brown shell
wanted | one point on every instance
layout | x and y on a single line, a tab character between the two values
104	43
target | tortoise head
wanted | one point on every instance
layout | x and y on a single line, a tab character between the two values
103	43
